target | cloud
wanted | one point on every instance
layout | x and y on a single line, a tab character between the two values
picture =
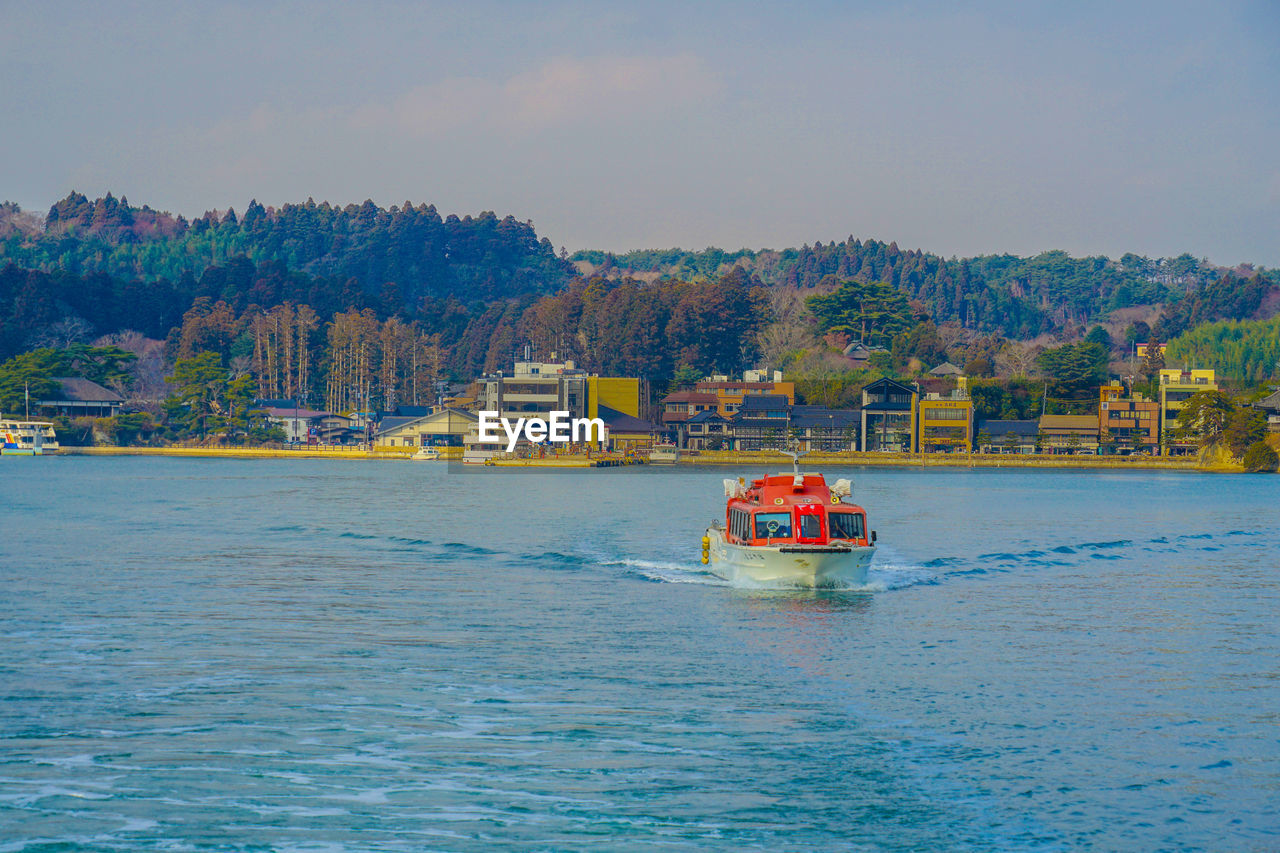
564	90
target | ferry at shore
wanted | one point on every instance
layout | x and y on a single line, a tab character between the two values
26	438
790	530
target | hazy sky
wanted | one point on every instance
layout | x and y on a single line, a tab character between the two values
1021	126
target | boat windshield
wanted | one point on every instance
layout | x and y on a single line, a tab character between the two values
845	525
773	525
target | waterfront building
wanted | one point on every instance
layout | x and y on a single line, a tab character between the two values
945	420
1132	423
82	398
819	429
1001	436
763	421
536	389
1068	434
445	427
888	417
1176	387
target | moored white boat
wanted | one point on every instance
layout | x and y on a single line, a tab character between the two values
790	530
664	454
426	454
26	438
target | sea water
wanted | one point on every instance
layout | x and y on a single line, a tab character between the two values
351	656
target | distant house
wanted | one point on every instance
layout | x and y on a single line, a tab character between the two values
996	436
80	398
1271	405
1066	434
299	425
707	430
946	369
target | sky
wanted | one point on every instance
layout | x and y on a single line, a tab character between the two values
961	129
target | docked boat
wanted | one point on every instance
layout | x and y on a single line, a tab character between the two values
790	530
664	454
27	438
426	454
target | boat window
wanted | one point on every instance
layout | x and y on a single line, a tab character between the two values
810	527
773	525
845	525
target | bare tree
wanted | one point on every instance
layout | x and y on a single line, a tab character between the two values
1017	359
73	329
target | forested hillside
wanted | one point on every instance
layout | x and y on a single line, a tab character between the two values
408	248
1018	297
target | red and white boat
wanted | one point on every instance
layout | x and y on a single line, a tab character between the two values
790	530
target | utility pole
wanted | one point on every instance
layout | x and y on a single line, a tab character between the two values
26	388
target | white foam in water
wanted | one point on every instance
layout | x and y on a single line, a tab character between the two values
881	577
888	572
670	572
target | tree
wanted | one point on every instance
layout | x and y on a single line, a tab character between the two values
1203	417
1100	336
686	376
1245	428
201	384
1076	366
1153	361
1261	458
874	311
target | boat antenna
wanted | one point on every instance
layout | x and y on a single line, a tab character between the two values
795	455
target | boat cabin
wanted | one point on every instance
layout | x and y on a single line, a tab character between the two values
793	509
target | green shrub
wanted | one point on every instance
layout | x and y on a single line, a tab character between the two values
1261	458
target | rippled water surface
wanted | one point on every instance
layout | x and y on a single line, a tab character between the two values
322	655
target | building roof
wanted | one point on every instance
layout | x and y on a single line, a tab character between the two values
621	422
999	429
1271	401
689	397
820	416
706	415
289	412
946	369
79	390
395	422
764	403
414	411
887	383
1069	422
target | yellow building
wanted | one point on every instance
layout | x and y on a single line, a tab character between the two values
945	423
1176	387
622	394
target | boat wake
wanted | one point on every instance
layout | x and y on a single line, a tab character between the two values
663	572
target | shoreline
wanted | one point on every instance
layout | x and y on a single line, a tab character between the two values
703	459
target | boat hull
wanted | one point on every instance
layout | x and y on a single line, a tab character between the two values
788	565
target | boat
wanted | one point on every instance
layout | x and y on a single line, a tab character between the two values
664	454
426	454
27	438
790	529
